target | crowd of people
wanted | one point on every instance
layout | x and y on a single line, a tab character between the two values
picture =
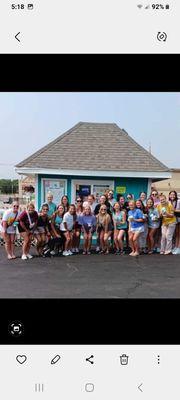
121	226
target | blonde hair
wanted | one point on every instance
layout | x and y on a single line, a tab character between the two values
30	205
133	202
163	195
87	206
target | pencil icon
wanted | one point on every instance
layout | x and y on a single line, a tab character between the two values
55	359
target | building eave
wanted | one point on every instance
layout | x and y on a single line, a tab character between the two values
123	174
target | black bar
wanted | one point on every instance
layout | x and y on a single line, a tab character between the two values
90	72
100	321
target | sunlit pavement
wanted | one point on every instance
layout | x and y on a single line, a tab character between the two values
94	276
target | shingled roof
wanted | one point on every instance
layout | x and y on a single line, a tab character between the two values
94	146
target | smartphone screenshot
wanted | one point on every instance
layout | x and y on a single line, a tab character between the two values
89	200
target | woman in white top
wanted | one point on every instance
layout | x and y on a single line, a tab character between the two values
67	227
9	223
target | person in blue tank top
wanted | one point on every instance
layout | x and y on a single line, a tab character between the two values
120	226
136	227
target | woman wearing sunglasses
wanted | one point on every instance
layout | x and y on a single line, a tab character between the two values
155	197
42	232
9	223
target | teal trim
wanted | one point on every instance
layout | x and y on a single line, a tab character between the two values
69	187
133	185
39	192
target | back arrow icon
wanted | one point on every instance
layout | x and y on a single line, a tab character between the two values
16	36
139	387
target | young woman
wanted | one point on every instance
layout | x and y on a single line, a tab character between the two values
143	236
153	224
79	206
88	223
9	222
104	228
27	225
111	199
123	203
130	197
65	203
67	228
166	212
55	244
155	197
77	225
42	233
136	227
90	202
173	198
120	227
103	200
143	198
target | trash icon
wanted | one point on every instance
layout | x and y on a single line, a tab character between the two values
124	359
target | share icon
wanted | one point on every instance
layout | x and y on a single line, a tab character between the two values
89	359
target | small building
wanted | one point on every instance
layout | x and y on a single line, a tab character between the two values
168	185
91	158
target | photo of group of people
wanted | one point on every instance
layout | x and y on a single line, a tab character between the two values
116	224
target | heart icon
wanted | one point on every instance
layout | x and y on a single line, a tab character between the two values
21	359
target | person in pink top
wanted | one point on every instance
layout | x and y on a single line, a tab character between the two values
155	197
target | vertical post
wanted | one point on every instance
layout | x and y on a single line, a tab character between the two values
149	187
36	192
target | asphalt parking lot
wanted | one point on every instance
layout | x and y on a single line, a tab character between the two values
94	276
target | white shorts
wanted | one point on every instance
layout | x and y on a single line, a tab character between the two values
140	229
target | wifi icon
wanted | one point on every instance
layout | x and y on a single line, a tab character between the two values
140	6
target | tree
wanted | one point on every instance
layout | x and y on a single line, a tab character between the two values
8	186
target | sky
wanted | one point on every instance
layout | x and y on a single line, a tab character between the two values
28	121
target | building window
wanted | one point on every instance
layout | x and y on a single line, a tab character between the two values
57	187
85	187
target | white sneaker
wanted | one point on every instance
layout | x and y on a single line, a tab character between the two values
53	253
29	256
65	253
70	252
176	251
24	257
97	249
77	250
74	250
